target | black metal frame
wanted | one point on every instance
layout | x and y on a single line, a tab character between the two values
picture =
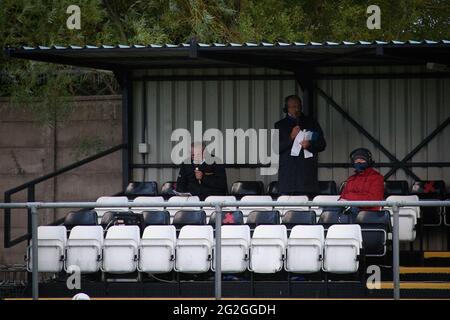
31	195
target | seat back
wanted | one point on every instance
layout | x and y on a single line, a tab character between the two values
244	188
168	188
349	231
84	248
160	232
247	210
150	201
256	218
110	200
189	217
157	241
327	188
58	233
228	218
308	232
156	217
433	189
124	233
120	249
330	217
396	187
271	232
324	198
375	227
268	247
112	218
342	248
407	217
236	232
51	245
305	249
210	210
146	188
295	217
173	210
197	232
83	217
272	189
283	210
87	233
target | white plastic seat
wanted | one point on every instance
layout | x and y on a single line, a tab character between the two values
235	248
51	249
247	210
157	249
407	217
84	248
291	199
342	247
193	253
173	210
328	198
148	200
268	248
120	249
110	200
210	210
305	249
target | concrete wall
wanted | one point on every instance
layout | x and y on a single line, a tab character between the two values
29	150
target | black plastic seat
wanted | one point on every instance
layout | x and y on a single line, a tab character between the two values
83	217
228	218
111	218
189	217
428	191
329	217
246	188
396	188
375	227
167	189
293	218
327	188
157	217
256	218
138	189
272	189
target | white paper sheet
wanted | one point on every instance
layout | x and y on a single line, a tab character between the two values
297	147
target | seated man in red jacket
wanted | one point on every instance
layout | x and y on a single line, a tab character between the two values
366	184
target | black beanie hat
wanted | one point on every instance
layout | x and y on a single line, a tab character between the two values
360	154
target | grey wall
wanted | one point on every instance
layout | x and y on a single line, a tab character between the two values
29	150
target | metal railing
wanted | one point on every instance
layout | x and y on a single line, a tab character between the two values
30	186
218	205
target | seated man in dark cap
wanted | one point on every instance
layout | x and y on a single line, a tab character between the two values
366	184
199	178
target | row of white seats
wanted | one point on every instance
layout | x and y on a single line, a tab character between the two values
160	251
408	215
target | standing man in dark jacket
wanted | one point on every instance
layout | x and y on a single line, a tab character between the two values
298	174
199	178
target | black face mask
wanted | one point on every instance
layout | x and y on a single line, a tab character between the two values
359	167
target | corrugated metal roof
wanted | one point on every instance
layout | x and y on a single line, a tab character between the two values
278	55
247	44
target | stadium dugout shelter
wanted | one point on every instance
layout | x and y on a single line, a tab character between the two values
391	97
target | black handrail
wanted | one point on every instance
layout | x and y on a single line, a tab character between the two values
30	186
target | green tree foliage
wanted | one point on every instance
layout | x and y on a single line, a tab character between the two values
43	22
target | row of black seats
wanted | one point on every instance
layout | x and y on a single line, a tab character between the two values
375	225
433	189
